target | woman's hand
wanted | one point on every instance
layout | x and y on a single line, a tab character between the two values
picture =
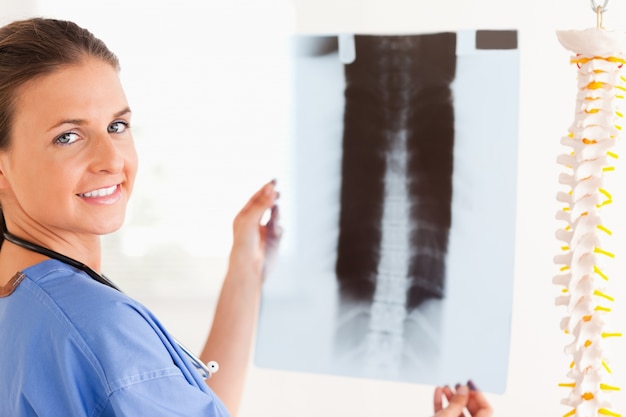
256	244
236	315
463	399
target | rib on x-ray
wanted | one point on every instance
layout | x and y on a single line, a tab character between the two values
396	194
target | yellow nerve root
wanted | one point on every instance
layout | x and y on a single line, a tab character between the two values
599	272
605	412
571	413
604	252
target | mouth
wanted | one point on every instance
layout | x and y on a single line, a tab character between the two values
100	192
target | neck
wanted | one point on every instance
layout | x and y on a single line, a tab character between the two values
28	247
14	259
48	253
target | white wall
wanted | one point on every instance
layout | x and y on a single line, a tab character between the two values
547	88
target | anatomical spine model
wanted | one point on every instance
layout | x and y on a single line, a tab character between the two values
595	131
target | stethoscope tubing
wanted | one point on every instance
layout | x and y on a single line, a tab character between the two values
206	370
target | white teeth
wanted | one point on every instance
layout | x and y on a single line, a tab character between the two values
102	192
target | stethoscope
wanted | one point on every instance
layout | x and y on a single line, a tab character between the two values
206	370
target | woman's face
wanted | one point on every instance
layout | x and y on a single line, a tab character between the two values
72	162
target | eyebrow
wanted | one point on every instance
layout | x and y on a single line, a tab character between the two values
83	121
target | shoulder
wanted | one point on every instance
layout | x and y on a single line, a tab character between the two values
120	335
103	350
70	297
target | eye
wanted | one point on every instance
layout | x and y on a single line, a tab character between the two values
67	138
118	127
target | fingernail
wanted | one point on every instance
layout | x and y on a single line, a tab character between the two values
471	385
462	390
457	386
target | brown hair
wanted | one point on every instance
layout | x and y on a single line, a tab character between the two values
34	48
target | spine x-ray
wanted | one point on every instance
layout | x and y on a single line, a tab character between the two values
404	182
396	197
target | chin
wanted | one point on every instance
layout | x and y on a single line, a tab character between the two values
110	227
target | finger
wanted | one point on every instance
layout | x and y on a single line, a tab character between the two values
271	233
479	410
478	406
457	402
272	225
258	204
456	387
263	198
447	391
438	399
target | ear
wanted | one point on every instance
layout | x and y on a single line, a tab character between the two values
4	162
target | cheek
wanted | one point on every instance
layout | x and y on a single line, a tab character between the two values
132	164
39	192
54	179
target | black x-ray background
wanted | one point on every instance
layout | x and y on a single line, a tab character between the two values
467	330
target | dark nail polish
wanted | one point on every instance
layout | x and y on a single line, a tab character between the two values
471	385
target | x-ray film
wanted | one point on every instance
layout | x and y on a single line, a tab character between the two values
402	225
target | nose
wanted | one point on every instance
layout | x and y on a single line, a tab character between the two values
109	153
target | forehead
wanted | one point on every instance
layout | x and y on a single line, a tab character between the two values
80	90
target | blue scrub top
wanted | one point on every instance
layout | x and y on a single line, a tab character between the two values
70	347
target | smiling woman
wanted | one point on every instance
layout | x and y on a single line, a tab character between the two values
79	131
67	169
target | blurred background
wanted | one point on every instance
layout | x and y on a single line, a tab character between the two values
209	84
